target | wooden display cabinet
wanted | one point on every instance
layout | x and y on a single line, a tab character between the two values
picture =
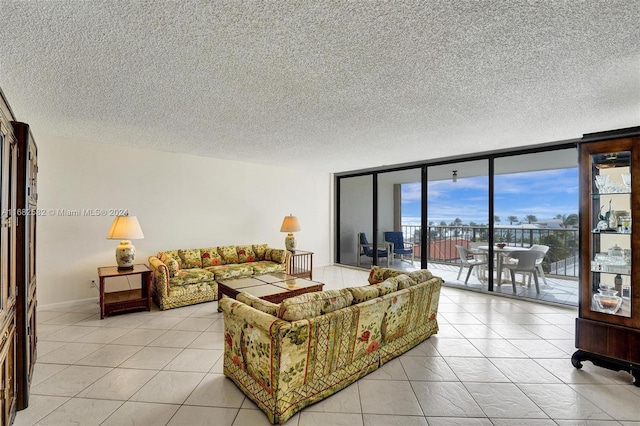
608	325
26	204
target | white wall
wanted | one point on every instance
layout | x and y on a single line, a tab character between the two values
181	201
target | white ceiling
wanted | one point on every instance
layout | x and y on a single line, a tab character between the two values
319	85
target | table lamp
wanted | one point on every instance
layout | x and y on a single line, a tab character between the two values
290	224
125	228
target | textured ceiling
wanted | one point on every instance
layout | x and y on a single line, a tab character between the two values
327	86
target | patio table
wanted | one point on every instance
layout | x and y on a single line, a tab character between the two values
500	254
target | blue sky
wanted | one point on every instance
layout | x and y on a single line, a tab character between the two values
544	193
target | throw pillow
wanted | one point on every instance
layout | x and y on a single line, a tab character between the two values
210	257
257	303
229	254
190	258
260	250
245	254
378	274
311	305
275	255
172	265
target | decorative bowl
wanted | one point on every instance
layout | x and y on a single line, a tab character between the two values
607	301
501	245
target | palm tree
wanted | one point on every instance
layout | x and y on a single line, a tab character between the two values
496	218
568	220
530	218
512	219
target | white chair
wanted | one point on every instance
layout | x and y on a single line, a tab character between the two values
544	249
526	264
469	261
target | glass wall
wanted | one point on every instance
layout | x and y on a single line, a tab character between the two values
458	215
355	216
458	219
399	217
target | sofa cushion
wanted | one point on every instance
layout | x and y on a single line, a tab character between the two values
172	264
223	272
190	258
257	303
210	257
260	250
245	254
362	294
420	275
275	255
311	305
191	276
229	254
266	267
378	274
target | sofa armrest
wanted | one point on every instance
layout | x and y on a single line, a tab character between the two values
252	343
160	274
283	254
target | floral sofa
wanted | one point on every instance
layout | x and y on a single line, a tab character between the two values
186	277
289	355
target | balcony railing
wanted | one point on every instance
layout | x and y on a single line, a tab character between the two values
560	260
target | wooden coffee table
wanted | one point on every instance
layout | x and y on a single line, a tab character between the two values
274	287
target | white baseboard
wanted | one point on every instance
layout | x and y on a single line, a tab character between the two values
54	306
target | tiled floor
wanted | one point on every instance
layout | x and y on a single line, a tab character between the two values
495	361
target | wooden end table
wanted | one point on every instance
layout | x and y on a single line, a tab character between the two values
301	264
127	300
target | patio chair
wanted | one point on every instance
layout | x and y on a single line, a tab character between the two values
366	249
469	261
544	249
526	264
397	239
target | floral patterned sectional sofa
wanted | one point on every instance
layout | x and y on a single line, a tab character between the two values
186	277
289	355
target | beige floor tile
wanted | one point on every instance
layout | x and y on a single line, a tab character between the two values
497	348
388	397
194	324
208	340
454	347
42	371
348	400
254	417
462	421
138	337
310	418
70	333
70	353
475	370
168	387
39	406
110	355
559	401
78	411
431	369
539	348
151	358
395	420
141	414
616	400
198	360
119	384
392	370
103	335
446	399
504	400
524	370
70	381
215	390
203	416
175	339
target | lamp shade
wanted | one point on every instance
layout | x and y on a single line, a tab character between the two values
290	224
125	228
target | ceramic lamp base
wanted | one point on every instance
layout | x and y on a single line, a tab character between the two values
290	242
125	254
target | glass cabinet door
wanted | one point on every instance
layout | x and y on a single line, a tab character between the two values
611	233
